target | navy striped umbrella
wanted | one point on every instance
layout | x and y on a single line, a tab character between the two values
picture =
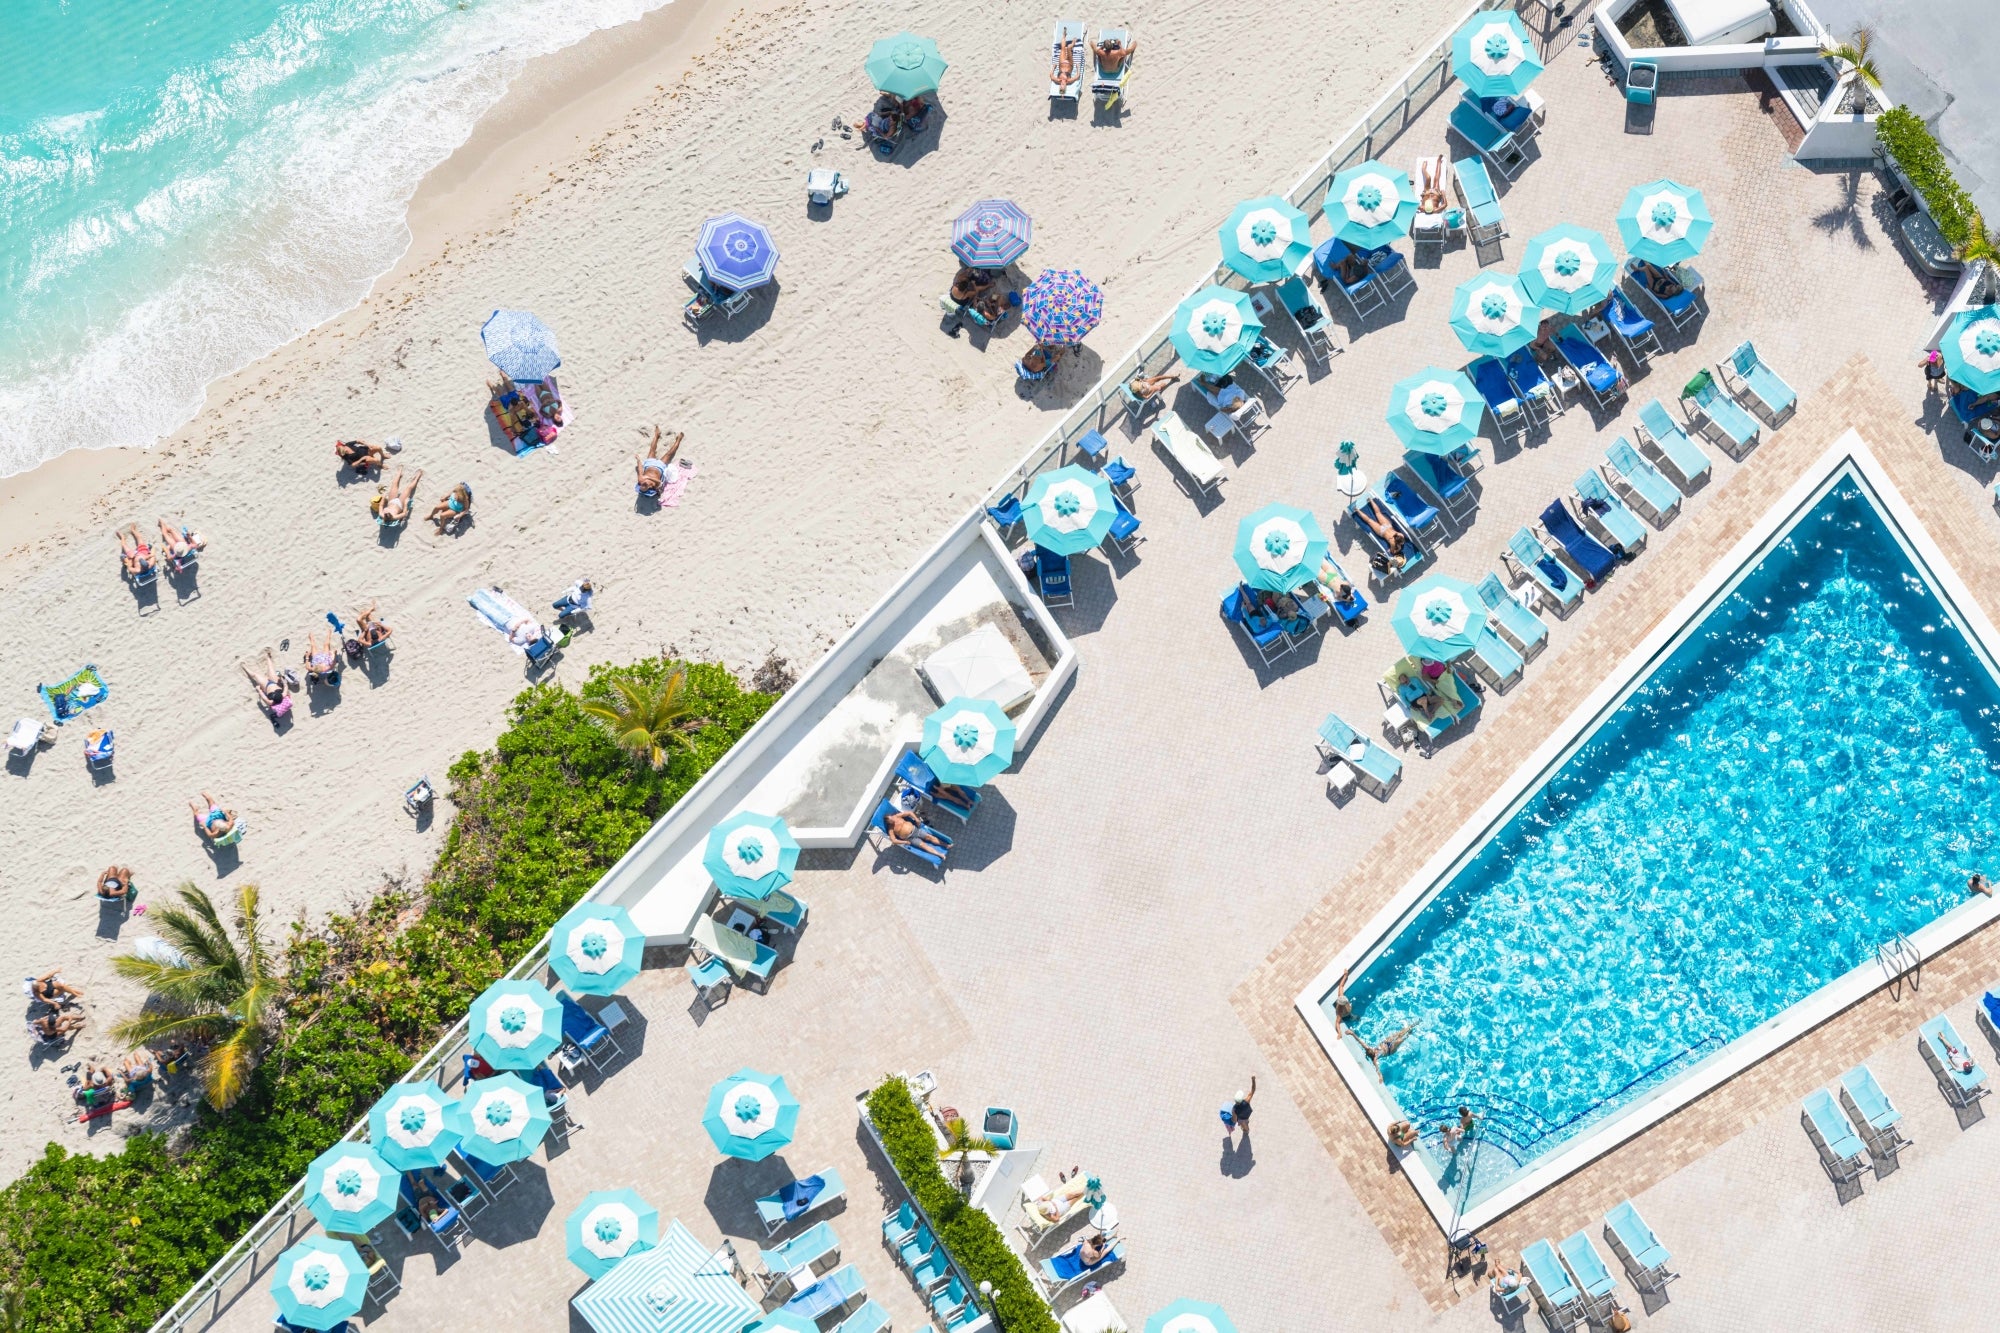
993	233
736	253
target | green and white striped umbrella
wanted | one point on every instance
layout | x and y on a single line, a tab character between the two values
1214	329
414	1125
1435	411
968	742
1439	617
516	1024
351	1189
320	1283
1068	510
1279	547
1972	348
1664	222
504	1118
1371	205
1568	269
1266	239
1492	315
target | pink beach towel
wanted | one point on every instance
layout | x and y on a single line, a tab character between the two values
678	477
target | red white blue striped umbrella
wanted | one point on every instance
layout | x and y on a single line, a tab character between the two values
1061	306
993	233
736	253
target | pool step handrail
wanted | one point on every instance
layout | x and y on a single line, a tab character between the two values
1900	958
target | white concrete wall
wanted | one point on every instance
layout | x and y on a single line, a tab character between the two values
1801	50
1834	136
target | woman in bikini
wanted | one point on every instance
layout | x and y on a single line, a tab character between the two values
392	502
270	686
1382	525
651	471
1152	386
449	511
322	657
136	554
213	821
181	541
1430	198
360	455
369	628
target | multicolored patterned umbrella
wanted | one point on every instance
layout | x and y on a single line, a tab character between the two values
320	1283
751	1115
607	1226
736	253
504	1118
520	345
351	1189
1494	56
1971	348
414	1125
1214	329
1190	1317
1061	306
1279	547
905	65
516	1024
749	855
1435	411
1491	314
1439	617
1568	269
1664	222
993	233
596	948
968	742
1371	205
1266	239
1068	510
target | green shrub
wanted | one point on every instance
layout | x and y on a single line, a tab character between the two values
1908	140
97	1245
967	1234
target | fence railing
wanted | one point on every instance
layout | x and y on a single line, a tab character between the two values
1380	125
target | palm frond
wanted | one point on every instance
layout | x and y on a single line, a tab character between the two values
159	1024
185	987
225	1070
645	720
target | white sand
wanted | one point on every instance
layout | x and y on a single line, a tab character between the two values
836	429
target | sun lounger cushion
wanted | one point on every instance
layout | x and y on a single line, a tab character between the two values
1523	625
1589	554
1868	1099
1641	1245
1588	362
1545	1270
1409	506
1547	573
1490	378
1835	1131
1726	415
1587	1266
1686	456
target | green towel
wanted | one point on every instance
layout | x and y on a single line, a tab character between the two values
1702	380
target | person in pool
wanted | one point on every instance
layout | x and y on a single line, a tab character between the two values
653	469
1388	1046
136	555
451	510
214	821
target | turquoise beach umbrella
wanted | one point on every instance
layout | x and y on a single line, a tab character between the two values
1568	269
607	1226
1279	547
749	855
351	1189
1190	1317
1492	315
1435	411
1214	329
504	1118
1971	348
905	65
516	1024
1266	239
1664	222
414	1125
320	1282
1068	510
1371	205
595	948
968	742
1493	55
751	1115
1439	617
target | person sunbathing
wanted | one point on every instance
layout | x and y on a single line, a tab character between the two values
548	402
1956	1058
524	630
1112	54
368	627
906	830
451	510
914	110
115	884
181	541
1095	1249
1146	387
969	284
1430	196
139	1067
1379	521
136	554
174	1056
214	822
1065	64
885	121
360	455
653	469
1660	282
1343	595
1403	1134
54	1029
52	990
1041	359
576	601
429	1206
270	686
1054	1206
322	656
1352	269
97	1079
1387	1046
391	504
951	791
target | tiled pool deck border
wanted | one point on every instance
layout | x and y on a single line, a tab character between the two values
1848	455
1936	495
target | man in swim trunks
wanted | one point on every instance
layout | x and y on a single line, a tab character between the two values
214	821
137	556
907	830
1112	54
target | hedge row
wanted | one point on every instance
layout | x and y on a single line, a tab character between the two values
1903	133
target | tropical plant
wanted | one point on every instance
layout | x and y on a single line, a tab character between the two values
217	991
1917	154
1858	70
959	1145
647	718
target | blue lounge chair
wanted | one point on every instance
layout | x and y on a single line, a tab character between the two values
1880	1121
1533	561
1592	1277
1314	323
1350	613
1412	510
1672	442
1052	578
711	979
1604	380
1376	767
1364	294
1068	35
899	1226
1967	405
584	1037
1633	329
1497	658
835	1292
1839	1147
1490	378
1264	631
1474	189
1561	1304
870	1318
1679	309
794	1200
1493	144
950	1298
1760	381
1451	488
917	1248
1124	533
491	1180
918	777
784	908
1601	505
448	1227
1713	411
1947	1055
1644	480
1584	551
879	826
1068	1268
1387	264
1274	363
1414	555
1517	622
1517	119
1538	393
1122	475
1638	1249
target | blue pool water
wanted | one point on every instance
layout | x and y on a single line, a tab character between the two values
186	186
1814	768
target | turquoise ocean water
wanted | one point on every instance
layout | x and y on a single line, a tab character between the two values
186	186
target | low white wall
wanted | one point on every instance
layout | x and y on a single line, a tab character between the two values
1831	137
1802	50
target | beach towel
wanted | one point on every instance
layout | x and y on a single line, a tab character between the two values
678	477
502	612
98	1112
85	690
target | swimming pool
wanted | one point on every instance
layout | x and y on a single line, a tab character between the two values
1805	767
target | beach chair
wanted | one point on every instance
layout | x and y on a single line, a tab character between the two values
1414	554
587	1038
1532	561
1414	512
1005	514
836	1292
919	1247
1124	532
915	774
933	1270
1592	1277
1672	443
1517	622
1490	378
1390	268
1330	576
1341	745
878	835
1226	422
1493	655
1314	324
1518	119
99	749
1494	145
1266	635
491	1180
1604	380
815	1246
1451	488
1430	228
1630	468
1108	89
1881	1123
1759	381
1124	478
1600	504
1713	412
807	1194
448	1227
1474	189
1947	1056
1538	392
1136	408
742	955
950	1298
1645	1260
1679	310
711	980
1839	1147
900	1225
1036	1228
1052	578
1364	294
1068	36
1196	460
1067	1270
1587	553
870	1318
1561	1304
1273	362
1641	339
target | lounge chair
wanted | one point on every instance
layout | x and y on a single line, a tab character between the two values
1639	476
1556	1296
587	1038
814	1246
1532	561
1490	378
1052	578
1005	514
1414	555
1412	510
1588	554
1760	381
1839	1147
1068	35
1365	293
1430	228
1538	392
835	1292
1275	363
1880	1121
1136	407
900	1225
931	1271
1496	657
1938	1039
949	1299
1665	435
870	1318
1263	630
1196	460
1109	88
1604	380
1599	504
1474	189
1451	488
710	978
878	834
1388	265
919	1247
1315	325
1517	622
1067	1269
1521	120
1124	532
1710	411
100	749
916	775
1679	310
1238	422
1331	575
742	955
1340	744
1124	478
448	1227
1036	1228
1493	144
1641	339
798	1198
490	1179
1592	1277
1638	1249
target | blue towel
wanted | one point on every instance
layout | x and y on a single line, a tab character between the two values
799	1195
1558	576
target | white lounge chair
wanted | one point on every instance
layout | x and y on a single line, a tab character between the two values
1068	33
1109	88
1195	459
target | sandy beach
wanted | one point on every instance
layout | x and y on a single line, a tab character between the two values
836	430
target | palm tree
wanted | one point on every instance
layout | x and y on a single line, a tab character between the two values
217	991
1857	69
959	1142
1982	246
647	718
